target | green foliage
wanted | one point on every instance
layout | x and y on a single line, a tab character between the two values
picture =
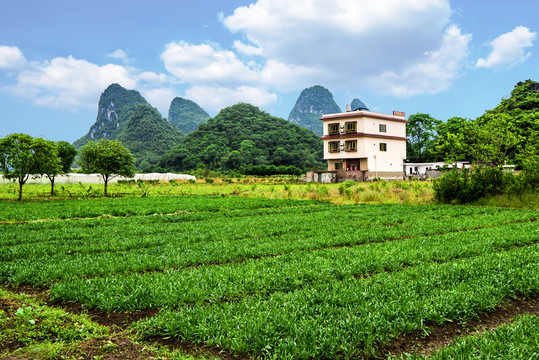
420	131
22	156
466	186
148	136
108	158
186	115
312	103
263	170
508	133
242	135
67	154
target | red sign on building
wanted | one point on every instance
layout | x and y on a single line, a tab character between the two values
398	113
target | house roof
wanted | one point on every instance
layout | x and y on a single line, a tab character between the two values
363	113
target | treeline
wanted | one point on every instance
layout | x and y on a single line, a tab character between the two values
508	133
268	170
23	156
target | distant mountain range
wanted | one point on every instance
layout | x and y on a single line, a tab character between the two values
126	116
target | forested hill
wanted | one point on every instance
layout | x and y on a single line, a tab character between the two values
148	136
186	115
311	105
116	105
243	135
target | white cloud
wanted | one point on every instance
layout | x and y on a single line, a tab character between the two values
11	57
160	98
353	35
214	98
433	74
508	49
119	54
353	43
205	64
72	83
243	48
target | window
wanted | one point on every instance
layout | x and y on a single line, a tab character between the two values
351	127
333	129
383	147
350	145
333	146
338	166
383	128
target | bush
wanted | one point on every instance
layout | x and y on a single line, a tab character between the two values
465	186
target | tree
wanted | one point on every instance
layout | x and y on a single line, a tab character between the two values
67	154
59	160
48	161
492	138
450	144
420	131
18	159
108	158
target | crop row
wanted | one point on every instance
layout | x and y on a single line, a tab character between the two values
133	245
287	272
349	318
517	341
62	209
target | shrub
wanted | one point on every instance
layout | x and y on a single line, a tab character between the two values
465	186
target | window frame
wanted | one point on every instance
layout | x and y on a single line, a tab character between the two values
348	145
334	146
335	126
350	127
383	147
339	166
382	128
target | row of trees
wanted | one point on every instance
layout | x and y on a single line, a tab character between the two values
493	139
23	156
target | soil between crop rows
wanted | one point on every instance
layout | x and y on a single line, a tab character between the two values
417	342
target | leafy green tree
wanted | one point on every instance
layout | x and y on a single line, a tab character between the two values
18	158
492	138
67	154
421	133
108	158
48	160
57	159
450	145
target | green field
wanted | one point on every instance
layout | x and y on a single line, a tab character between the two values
273	278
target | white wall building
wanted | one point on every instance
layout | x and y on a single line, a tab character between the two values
366	141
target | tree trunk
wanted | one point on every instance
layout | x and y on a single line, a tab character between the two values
20	189
52	186
106	183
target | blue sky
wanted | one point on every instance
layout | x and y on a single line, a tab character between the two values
441	57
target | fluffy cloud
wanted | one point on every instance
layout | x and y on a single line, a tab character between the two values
119	54
433	74
392	46
509	49
11	57
204	64
160	98
346	37
215	98
72	83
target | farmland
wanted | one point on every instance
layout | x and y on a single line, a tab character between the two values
274	278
